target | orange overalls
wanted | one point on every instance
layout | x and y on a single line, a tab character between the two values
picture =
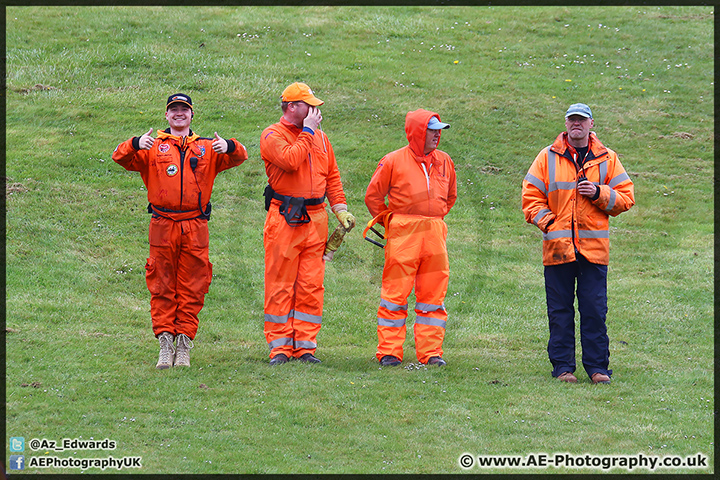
421	190
300	164
178	270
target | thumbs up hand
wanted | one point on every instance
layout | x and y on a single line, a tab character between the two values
220	145
146	141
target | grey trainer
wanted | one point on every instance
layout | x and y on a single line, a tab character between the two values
167	351
182	355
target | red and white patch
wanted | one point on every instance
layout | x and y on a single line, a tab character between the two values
172	170
164	148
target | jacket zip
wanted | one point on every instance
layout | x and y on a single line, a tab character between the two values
312	193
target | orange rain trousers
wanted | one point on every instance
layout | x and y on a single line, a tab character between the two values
294	274
415	254
178	274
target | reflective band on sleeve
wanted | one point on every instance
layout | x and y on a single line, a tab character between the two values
385	322
393	307
611	202
306	317
428	307
536	182
434	322
593	234
305	344
619	179
541	214
557	234
280	342
276	318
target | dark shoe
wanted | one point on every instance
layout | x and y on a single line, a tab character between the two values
437	361
567	377
599	378
390	361
279	359
308	358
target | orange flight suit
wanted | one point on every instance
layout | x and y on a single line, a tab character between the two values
178	271
299	163
421	190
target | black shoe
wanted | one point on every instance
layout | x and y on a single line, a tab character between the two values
308	358
390	361
279	359
437	361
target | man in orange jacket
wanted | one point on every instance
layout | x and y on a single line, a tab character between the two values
178	169
420	185
571	189
302	171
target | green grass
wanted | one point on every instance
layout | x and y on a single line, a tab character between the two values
80	352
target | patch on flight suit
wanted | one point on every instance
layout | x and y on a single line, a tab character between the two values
172	170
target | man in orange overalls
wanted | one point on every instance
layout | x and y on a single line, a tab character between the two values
420	185
178	168
302	171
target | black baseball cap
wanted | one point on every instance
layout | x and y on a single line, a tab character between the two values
179	98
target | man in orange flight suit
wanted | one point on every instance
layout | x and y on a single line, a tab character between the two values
420	185
178	169
302	171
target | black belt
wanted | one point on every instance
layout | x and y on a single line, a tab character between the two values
158	212
292	208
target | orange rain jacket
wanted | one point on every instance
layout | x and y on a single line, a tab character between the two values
414	184
421	190
568	220
298	164
165	168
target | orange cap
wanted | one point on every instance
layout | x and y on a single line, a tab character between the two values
300	92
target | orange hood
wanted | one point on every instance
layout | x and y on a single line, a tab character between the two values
416	129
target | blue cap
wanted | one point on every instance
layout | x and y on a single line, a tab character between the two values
579	109
435	124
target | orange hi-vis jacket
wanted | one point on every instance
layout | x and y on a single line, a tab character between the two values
569	221
173	188
301	164
414	184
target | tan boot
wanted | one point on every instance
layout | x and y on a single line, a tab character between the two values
167	351
567	377
182	355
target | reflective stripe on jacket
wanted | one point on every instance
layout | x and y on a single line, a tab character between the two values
570	221
415	184
301	164
166	170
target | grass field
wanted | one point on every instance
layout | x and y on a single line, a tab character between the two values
80	355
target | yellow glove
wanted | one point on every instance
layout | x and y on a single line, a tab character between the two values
334	242
346	218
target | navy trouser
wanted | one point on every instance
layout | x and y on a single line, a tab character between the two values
592	305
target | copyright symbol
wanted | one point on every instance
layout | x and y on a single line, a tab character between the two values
34	444
466	460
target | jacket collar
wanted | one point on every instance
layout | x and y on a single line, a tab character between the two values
595	147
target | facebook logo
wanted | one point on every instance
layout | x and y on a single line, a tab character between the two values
17	444
17	462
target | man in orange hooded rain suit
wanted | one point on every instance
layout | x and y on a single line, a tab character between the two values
178	169
302	172
420	185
